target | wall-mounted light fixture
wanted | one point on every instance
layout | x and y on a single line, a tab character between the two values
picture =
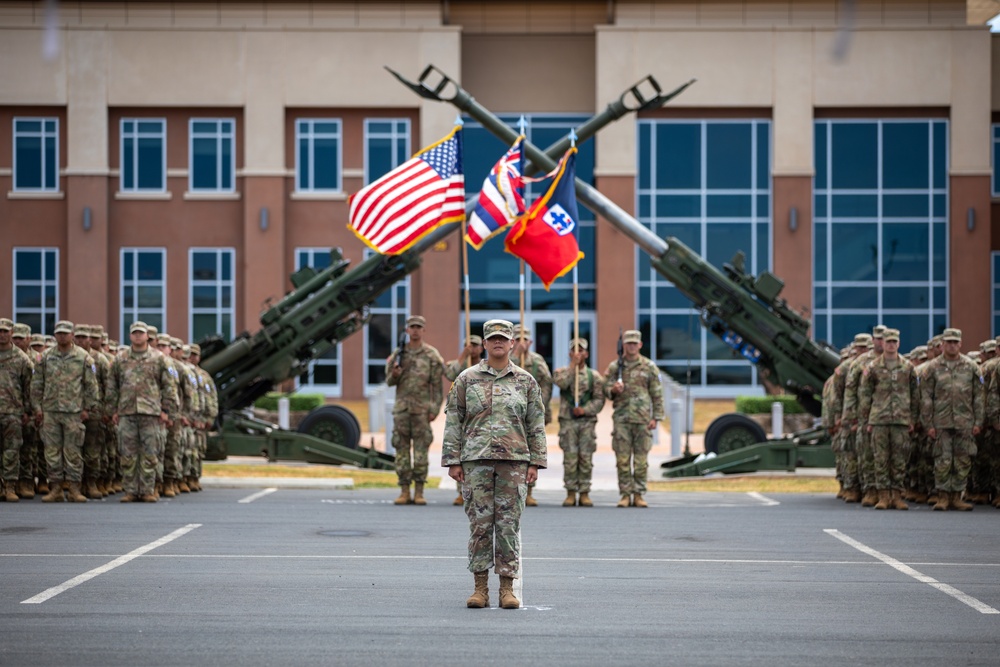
970	219
265	218
793	218
88	218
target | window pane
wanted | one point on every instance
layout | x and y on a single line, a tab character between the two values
729	156
855	155
203	164
28	156
204	297
729	374
854	298
854	250
150	297
907	297
905	155
906	206
29	265
150	266
203	266
325	165
203	325
724	240
906	248
27	296
678	155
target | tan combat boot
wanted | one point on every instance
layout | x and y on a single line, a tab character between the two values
418	495
585	500
90	490
117	487
149	498
26	489
625	501
459	500
507	599
996	502
570	499
404	496
168	488
42	486
194	484
896	501
870	498
55	494
530	500
9	494
480	597
943	501
958	504
933	498
102	488
883	499
182	485
637	501
852	495
919	497
74	494
128	498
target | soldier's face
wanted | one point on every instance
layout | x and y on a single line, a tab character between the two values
499	347
5	337
892	347
83	341
952	348
416	332
632	350
21	342
140	339
879	345
64	339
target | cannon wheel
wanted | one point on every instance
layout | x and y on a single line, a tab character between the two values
333	423
733	431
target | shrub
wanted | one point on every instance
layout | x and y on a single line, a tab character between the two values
297	402
760	405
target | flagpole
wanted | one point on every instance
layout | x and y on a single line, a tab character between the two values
465	276
521	353
576	334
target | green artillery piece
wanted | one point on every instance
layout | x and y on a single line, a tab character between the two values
324	308
747	313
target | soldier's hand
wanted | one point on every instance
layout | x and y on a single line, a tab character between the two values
164	419
617	388
456	473
579	412
651	425
532	475
84	415
114	419
976	430
854	427
431	417
932	433
397	371
38	418
911	428
185	422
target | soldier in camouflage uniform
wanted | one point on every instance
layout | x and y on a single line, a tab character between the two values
580	401
889	405
992	427
844	437
832	401
637	396
494	444
472	353
418	401
862	441
206	418
952	412
15	408
980	476
94	436
64	392
109	444
524	357
30	449
141	393
189	456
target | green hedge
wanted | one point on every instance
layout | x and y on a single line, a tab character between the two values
297	402
761	405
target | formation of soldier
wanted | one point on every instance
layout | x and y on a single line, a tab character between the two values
416	369
84	418
922	428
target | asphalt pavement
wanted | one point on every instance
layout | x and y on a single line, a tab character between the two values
283	576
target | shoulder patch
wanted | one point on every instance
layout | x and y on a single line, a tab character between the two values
172	371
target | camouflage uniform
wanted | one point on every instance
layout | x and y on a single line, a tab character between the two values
843	438
209	411
95	427
952	396
639	402
578	435
992	379
494	429
862	440
418	400
140	388
63	387
889	405
452	370
15	408
981	477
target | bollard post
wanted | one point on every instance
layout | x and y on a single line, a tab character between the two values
777	420
283	410
676	427
388	400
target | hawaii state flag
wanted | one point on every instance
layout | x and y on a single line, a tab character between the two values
545	237
501	201
426	191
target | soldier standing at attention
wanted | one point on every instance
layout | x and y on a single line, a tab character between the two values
93	439
578	421
534	363
494	444
637	396
889	407
472	353
417	378
15	407
862	442
63	393
142	398
22	338
952	412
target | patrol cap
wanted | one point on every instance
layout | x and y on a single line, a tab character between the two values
82	330
934	341
416	321
176	343
152	331
632	336
579	343
138	326
863	340
522	331
988	345
498	328
891	334
952	334
185	351
919	352
163	339
845	352
6	324
97	331
473	340
196	349
37	339
21	331
974	355
878	331
63	326
50	340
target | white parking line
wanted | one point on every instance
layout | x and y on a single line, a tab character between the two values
121	560
254	496
981	607
767	502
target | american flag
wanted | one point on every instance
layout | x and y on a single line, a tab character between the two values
501	200
428	190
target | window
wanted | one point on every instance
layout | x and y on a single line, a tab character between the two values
143	155
996	160
211	155
36	154
995	274
36	288
388	320
324	374
212	310
387	145
143	288
317	155
880	250
706	183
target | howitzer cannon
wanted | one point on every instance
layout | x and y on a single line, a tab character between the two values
324	308
746	312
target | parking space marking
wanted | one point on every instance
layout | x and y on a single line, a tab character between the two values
767	502
981	607
260	494
121	560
